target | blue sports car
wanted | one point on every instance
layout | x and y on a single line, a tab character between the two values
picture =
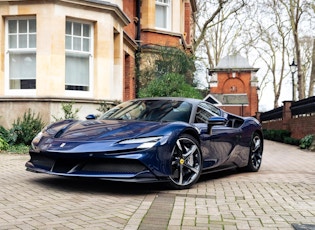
173	140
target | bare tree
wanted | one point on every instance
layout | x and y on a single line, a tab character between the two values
311	91
269	32
311	88
271	45
295	9
210	16
217	29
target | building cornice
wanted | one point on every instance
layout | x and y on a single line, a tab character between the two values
102	5
130	41
169	33
166	32
234	70
96	4
52	99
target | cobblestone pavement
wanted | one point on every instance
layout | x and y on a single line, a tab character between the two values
282	193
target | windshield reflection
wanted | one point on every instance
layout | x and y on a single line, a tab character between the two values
150	110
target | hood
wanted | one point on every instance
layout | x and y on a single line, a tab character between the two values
99	135
106	130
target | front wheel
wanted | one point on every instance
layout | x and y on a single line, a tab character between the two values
186	162
255	154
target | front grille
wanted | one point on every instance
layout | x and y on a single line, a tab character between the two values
65	165
113	166
87	166
42	161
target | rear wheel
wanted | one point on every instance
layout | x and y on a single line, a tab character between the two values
255	154
186	162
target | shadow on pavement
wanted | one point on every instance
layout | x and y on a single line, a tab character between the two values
88	185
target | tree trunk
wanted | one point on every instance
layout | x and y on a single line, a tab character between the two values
295	15
311	88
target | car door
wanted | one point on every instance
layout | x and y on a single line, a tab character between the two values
218	144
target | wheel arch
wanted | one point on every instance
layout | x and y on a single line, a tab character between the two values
192	132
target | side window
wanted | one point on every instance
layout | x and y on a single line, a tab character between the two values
21	51
202	115
205	111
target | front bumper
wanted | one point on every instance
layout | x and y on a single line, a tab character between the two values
142	166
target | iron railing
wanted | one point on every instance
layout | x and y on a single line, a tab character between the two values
305	106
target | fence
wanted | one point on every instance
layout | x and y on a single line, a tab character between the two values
298	117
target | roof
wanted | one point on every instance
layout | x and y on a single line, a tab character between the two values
228	99
234	62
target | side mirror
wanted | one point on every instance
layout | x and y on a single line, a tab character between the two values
90	117
215	121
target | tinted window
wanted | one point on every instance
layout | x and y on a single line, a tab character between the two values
151	110
212	109
205	111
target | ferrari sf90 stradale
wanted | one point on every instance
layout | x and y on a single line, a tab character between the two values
173	140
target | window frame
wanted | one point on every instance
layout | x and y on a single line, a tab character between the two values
18	50
80	53
168	16
205	111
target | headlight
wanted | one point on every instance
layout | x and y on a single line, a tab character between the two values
144	143
38	137
36	140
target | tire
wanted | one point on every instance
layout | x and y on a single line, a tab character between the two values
186	162
255	153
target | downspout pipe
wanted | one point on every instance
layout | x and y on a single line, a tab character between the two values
138	51
138	15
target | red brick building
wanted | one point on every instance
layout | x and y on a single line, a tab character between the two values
233	86
155	23
82	51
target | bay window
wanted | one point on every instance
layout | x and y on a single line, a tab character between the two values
162	14
21	51
78	56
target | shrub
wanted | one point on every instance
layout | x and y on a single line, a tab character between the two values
20	148
276	135
165	60
291	141
107	105
169	85
27	128
8	135
306	142
3	144
68	111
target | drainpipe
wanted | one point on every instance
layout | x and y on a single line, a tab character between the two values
138	33
138	51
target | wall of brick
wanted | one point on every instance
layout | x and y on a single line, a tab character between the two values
238	110
302	126
158	38
129	8
240	83
187	23
129	78
299	126
272	125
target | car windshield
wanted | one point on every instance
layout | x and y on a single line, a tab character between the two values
150	110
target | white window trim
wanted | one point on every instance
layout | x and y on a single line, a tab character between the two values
168	15
7	90
90	92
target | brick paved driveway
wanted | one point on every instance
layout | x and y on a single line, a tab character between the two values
280	194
